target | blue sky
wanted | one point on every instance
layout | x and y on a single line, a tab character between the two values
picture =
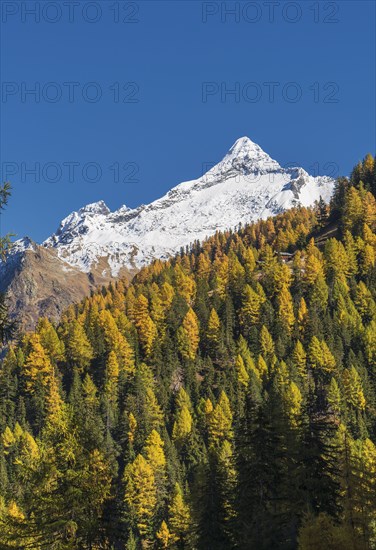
134	97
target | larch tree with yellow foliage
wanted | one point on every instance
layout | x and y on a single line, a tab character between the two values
188	335
140	495
179	516
37	368
147	331
78	348
213	331
286	308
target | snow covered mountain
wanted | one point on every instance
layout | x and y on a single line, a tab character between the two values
94	245
245	186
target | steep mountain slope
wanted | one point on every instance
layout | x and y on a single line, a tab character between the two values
94	245
39	283
245	186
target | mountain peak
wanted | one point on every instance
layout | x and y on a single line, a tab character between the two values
99	207
23	244
244	145
246	157
245	186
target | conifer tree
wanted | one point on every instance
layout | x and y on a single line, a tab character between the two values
243	376
188	335
299	360
353	390
179	518
220	421
286	308
321	458
154	452
334	397
140	495
213	331
183	425
213	522
319	355
163	536
79	350
147	331
250	311
50	340
37	368
111	389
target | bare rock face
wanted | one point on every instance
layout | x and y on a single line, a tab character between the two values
39	283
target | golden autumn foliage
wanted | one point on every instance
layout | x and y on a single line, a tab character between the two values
140	493
164	536
183	424
252	302
353	390
154	453
213	329
320	356
220	421
147	331
37	366
179	515
242	373
188	335
222	399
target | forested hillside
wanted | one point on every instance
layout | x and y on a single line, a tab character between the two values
225	399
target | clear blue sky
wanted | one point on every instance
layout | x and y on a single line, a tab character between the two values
168	51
